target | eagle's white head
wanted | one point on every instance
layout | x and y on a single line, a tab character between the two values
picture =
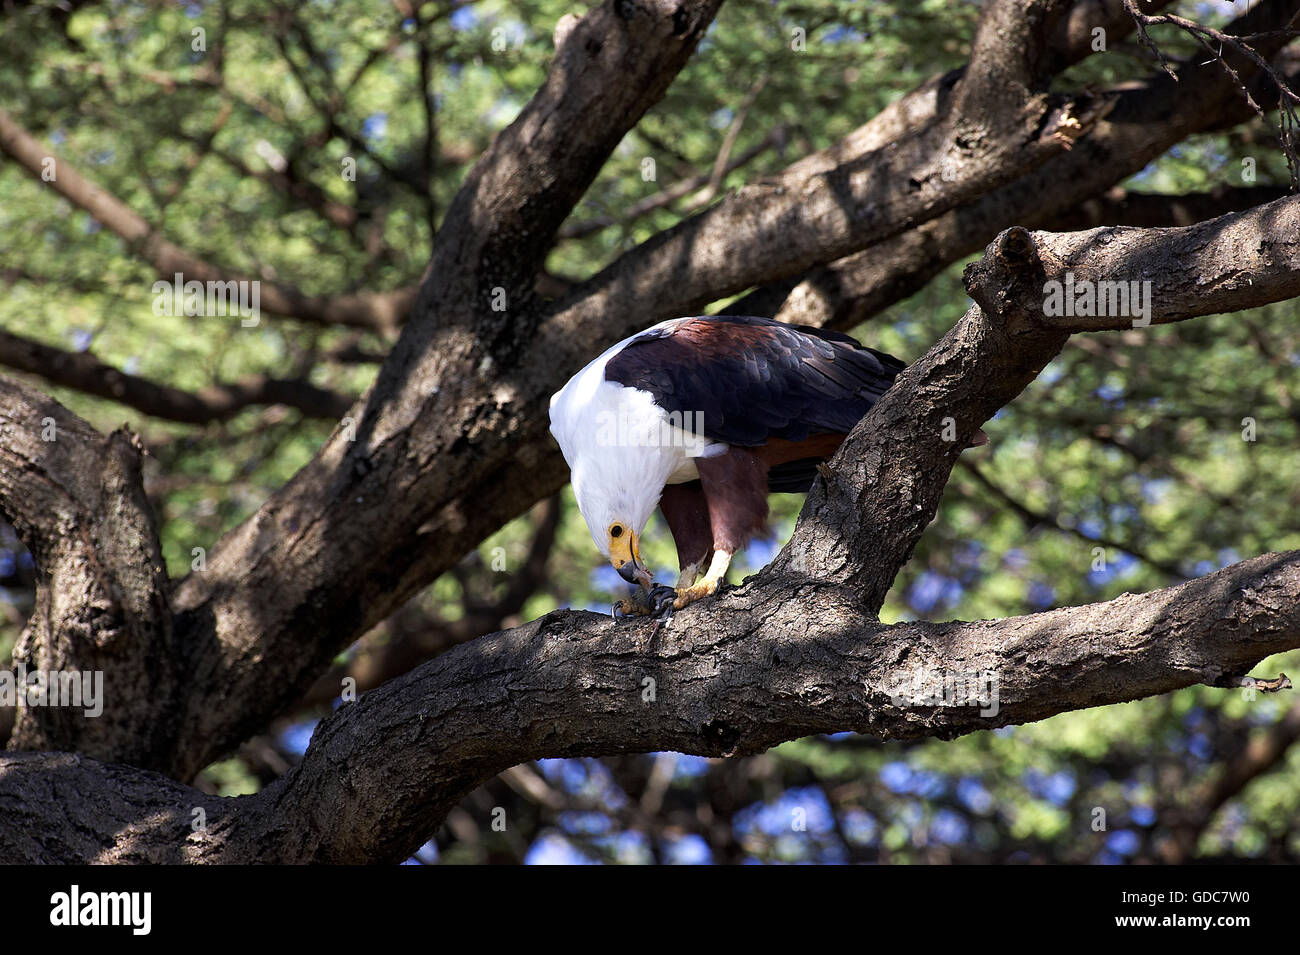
621	453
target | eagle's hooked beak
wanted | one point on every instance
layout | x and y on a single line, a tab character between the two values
625	555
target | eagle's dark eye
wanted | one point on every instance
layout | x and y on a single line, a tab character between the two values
615	530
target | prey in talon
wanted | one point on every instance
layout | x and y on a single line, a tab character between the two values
656	601
703	418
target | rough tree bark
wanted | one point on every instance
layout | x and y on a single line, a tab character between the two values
458	413
796	650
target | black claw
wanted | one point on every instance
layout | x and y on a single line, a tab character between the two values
626	609
661	600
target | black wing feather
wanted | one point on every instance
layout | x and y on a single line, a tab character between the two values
754	379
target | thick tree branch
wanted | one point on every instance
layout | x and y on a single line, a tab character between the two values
102	604
476	379
835	202
410	636
731	678
1145	122
1228	264
466	378
428	435
862	523
796	650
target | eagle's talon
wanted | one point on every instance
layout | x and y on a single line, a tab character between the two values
661	600
629	608
688	595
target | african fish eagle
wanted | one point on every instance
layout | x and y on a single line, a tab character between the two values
703	417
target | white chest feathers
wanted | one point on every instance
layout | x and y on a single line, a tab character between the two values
621	447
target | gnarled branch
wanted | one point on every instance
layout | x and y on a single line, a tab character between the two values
796	650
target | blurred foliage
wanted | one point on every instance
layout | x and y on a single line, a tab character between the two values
1133	439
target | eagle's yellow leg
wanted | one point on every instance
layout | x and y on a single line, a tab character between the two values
709	585
657	598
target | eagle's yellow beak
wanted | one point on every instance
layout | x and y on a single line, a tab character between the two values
625	555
